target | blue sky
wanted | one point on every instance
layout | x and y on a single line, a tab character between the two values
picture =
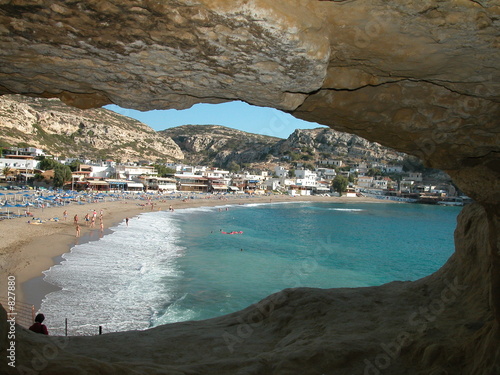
236	115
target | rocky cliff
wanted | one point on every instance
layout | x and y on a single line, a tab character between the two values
221	146
71	132
422	77
328	143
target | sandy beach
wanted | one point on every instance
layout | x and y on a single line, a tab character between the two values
28	249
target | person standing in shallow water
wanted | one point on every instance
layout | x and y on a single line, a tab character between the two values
38	327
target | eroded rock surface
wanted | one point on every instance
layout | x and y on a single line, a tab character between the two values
441	324
421	77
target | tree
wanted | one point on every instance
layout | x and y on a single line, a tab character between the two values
47	164
233	167
6	171
306	157
163	171
74	165
374	172
62	174
339	184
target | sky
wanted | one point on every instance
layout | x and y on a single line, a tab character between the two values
236	115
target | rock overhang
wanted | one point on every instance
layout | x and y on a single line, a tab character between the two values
162	55
421	77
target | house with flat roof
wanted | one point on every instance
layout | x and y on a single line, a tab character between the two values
192	182
133	172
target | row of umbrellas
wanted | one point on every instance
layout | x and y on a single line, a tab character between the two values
55	197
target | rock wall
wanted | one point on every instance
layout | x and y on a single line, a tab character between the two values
441	324
421	77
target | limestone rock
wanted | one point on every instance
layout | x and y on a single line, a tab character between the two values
442	322
338	145
421	77
177	53
71	132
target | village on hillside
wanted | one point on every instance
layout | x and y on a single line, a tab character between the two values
28	168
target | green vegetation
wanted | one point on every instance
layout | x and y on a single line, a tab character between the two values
47	164
62	175
163	171
374	172
340	184
74	165
233	167
6	171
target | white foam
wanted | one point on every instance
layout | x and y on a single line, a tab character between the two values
347	209
118	282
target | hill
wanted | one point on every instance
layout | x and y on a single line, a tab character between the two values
99	134
223	147
95	134
219	145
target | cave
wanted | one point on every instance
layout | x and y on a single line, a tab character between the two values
421	77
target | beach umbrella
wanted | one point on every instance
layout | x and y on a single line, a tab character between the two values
18	210
7	205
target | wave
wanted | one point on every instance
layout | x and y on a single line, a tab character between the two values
118	282
346	209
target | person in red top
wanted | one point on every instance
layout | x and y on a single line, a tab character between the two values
38	327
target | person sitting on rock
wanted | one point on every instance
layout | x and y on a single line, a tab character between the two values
38	327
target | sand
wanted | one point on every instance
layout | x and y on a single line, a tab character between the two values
28	249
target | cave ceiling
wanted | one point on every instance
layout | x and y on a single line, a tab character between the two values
421	76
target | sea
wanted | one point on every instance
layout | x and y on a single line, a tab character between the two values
167	267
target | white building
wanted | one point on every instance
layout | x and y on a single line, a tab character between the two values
128	172
20	164
360	169
365	182
393	169
26	151
102	171
414	176
305	177
215	173
326	173
335	163
280	171
380	184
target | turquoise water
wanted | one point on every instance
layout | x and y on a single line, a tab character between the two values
305	244
167	267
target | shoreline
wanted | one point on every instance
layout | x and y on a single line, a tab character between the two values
27	250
